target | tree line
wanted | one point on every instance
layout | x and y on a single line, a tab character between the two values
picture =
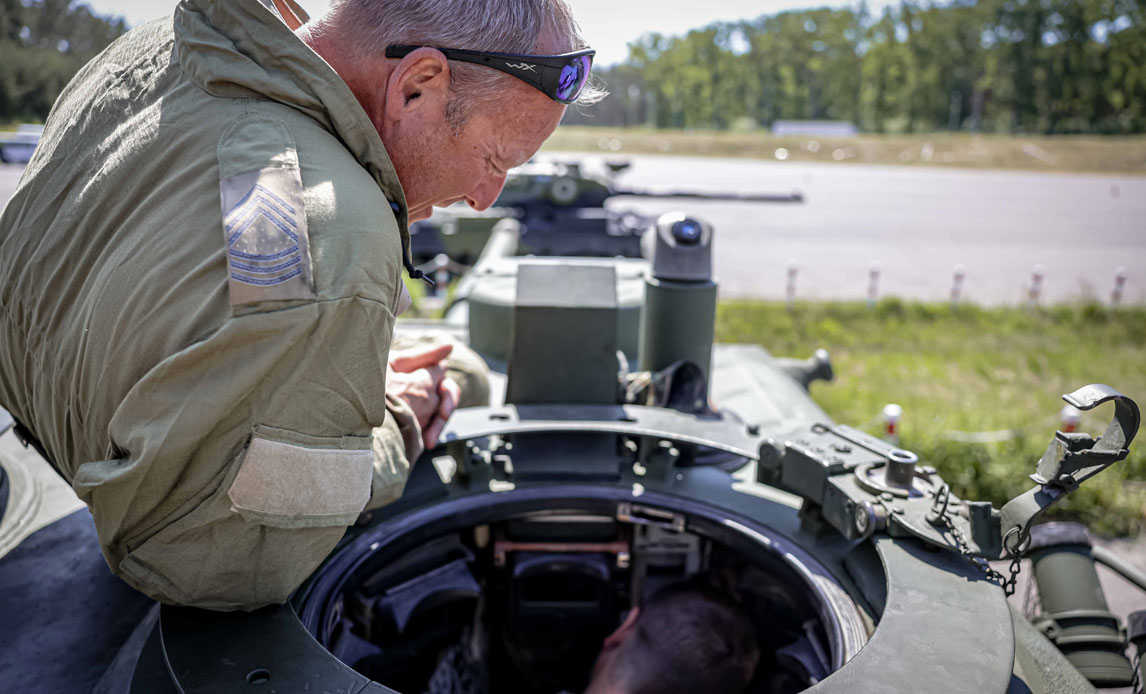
43	43
1032	66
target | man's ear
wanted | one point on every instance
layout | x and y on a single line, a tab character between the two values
421	79
624	631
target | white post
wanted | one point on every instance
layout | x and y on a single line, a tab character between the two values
892	413
873	284
1037	275
1119	286
790	291
1070	416
957	284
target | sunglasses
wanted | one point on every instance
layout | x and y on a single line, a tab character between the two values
560	77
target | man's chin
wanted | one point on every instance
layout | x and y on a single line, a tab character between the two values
419	214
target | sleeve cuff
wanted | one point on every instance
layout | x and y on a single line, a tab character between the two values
395	444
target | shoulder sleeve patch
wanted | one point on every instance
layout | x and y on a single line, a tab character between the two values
264	228
264	222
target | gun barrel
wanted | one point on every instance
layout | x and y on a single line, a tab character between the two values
793	197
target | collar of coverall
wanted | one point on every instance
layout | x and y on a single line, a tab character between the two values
289	11
242	48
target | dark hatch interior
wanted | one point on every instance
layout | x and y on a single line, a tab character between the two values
523	604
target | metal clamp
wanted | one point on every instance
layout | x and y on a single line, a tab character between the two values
1070	460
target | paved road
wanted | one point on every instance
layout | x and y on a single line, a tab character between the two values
917	223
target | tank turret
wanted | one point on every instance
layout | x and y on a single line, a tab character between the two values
621	454
562	210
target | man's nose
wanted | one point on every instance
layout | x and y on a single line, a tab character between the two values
483	197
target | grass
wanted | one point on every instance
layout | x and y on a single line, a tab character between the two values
972	369
1109	154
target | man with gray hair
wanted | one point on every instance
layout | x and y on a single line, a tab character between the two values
203	262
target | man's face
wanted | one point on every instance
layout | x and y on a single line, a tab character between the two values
438	168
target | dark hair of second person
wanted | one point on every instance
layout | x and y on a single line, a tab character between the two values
689	638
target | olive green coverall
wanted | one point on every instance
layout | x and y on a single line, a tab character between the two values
200	272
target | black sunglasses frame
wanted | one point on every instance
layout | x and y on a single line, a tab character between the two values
542	72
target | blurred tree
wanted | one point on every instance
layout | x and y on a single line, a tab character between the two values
1039	66
1045	66
43	43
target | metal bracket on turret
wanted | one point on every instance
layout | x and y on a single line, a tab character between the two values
860	485
1070	460
854	483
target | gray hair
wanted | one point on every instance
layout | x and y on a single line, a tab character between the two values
500	26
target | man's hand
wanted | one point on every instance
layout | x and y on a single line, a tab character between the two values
417	376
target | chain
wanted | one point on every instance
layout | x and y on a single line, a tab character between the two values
939	510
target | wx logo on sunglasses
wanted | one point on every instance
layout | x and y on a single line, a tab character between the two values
562	80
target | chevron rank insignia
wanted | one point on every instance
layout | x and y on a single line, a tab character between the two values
264	227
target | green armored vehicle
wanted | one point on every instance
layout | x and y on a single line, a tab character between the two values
562	210
623	451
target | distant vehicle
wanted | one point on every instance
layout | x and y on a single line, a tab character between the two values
562	212
822	128
17	147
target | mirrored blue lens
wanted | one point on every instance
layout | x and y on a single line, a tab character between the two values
573	78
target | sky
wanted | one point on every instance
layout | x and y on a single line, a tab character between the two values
608	25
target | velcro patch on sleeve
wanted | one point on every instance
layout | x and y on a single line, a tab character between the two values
264	228
286	485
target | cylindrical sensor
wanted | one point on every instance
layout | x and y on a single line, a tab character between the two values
678	323
678	319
